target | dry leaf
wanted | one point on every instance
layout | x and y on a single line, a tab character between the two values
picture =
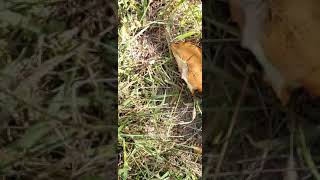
189	59
286	44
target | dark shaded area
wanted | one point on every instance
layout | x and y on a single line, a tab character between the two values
58	89
265	133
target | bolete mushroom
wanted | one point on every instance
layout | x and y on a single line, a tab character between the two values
189	59
284	37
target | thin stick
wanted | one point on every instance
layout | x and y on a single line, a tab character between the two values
265	171
230	130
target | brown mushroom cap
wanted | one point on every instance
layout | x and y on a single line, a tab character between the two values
192	55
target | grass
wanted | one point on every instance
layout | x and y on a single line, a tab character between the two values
58	93
248	134
157	137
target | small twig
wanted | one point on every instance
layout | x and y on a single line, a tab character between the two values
232	124
305	151
261	159
262	163
225	27
291	175
265	171
225	40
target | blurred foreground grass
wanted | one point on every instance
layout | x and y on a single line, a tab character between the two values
58	89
